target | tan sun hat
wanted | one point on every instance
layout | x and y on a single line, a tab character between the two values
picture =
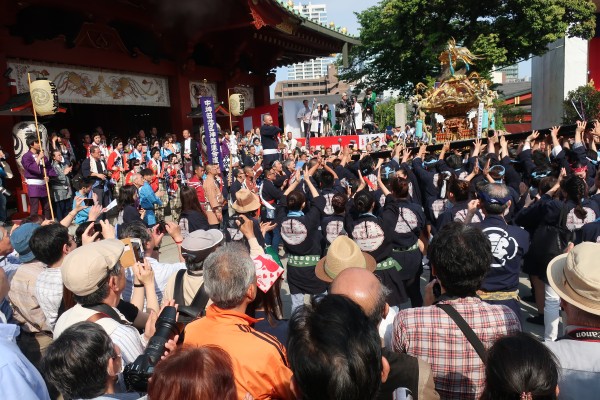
245	201
343	253
575	276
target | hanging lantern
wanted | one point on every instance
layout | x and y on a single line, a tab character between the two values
236	104
44	97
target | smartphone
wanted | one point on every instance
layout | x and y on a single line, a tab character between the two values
491	133
138	250
88	202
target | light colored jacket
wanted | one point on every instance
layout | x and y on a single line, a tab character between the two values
60	184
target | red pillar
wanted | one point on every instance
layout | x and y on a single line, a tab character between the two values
594	61
180	104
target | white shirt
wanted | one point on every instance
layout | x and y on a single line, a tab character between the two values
187	146
162	273
127	337
49	292
304	115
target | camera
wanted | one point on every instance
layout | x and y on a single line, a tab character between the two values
162	227
137	373
231	223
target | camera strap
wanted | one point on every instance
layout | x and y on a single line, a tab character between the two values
103	311
465	328
200	299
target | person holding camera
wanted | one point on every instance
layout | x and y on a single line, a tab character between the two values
34	162
96	278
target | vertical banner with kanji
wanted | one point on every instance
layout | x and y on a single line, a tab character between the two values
211	136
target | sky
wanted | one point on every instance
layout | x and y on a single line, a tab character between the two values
342	13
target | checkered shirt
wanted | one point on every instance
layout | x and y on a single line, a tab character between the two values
430	334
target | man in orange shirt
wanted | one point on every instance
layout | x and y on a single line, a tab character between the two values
259	360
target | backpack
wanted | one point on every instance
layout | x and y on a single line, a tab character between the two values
549	241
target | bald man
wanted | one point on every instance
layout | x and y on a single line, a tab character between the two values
269	140
407	373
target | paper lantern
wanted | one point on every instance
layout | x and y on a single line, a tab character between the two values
44	97
236	104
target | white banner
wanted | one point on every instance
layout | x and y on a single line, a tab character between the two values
479	120
202	89
365	139
94	86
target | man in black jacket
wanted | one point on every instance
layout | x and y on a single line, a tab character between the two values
268	137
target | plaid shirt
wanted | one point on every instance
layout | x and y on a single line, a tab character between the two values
431	335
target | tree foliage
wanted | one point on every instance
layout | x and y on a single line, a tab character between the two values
401	39
584	100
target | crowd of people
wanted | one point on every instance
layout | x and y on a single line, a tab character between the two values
87	298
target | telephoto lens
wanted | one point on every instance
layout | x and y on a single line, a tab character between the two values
137	373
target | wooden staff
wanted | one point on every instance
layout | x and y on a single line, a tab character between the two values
37	129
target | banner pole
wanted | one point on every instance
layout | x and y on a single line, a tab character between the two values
37	129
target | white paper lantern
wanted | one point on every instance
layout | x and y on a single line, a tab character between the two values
44	97
236	104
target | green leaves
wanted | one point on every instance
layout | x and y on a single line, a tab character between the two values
401	39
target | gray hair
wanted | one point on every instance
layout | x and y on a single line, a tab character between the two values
495	191
228	272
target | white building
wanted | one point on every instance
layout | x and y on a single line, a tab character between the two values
318	67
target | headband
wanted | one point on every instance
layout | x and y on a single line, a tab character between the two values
490	200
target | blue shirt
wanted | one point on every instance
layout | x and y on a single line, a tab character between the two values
18	377
147	201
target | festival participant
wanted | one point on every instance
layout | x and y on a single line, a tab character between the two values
95	169
149	199
158	182
197	182
269	139
174	179
116	163
214	198
317	121
34	162
134	168
509	245
357	115
571	213
409	235
191	156
332	226
374	235
304	117
138	154
269	196
60	185
459	195
302	247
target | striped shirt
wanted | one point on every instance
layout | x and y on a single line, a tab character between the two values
49	292
27	311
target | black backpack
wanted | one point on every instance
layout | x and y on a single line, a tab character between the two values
549	241
196	309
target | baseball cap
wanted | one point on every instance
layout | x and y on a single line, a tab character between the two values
200	243
85	268
19	239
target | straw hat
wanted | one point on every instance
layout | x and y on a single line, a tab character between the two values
575	276
245	201
343	253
